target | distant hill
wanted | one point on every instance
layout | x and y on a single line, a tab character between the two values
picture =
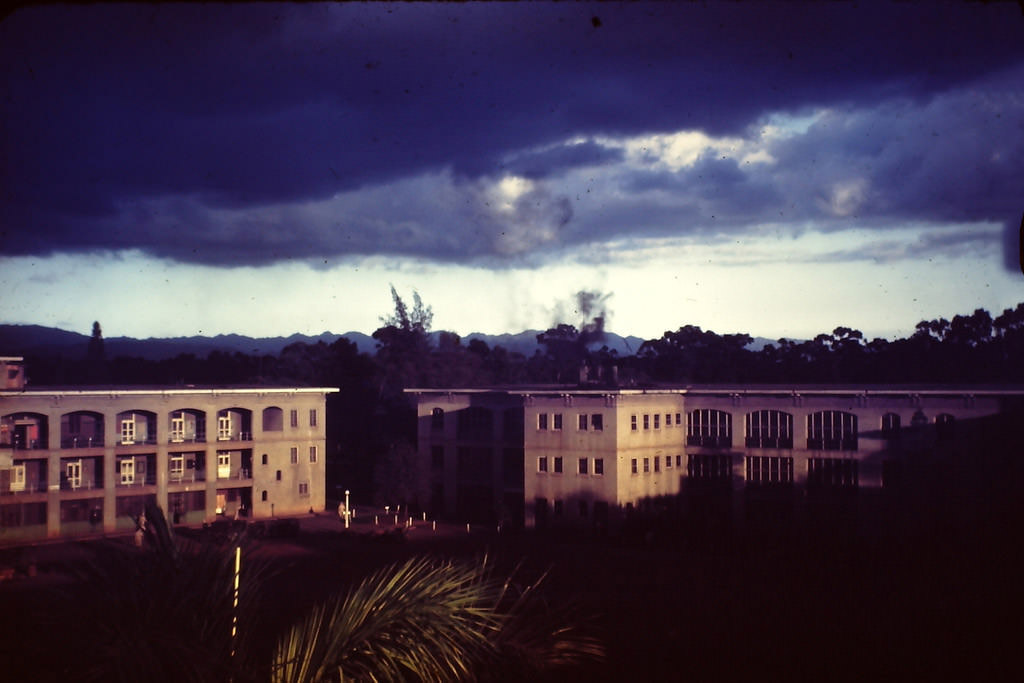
36	340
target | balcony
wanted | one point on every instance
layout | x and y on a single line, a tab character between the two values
139	480
72	442
140	441
27	487
832	444
241	473
186	477
769	442
77	485
25	444
183	438
708	441
234	436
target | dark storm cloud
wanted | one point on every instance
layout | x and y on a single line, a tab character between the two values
544	163
204	132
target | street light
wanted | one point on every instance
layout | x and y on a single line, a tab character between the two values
348	513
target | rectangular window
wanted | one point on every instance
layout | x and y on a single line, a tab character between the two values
294	415
558	465
647	421
127	472
583	466
312	453
679	461
582	421
657	463
18	478
177	470
303	488
668	420
632	466
542	464
632	422
557	421
178	428
312	417
835	473
679	419
542	421
709	467
763	469
657	421
295	455
597	422
128	431
598	465
73	471
223	465
668	462
224	428
647	465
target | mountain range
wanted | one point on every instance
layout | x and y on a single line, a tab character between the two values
37	340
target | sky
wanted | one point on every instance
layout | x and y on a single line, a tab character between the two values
773	169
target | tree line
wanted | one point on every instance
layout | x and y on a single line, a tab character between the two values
373	428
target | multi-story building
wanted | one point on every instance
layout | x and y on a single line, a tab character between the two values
548	455
81	460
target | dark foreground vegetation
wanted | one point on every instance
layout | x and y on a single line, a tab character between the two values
924	586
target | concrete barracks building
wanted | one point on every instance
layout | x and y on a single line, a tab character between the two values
546	456
86	460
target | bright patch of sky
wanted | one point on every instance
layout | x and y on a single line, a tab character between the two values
764	284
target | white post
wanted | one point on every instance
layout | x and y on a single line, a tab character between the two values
348	515
234	607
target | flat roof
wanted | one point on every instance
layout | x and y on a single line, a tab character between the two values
162	390
740	389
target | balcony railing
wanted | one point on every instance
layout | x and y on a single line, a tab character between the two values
26	487
81	442
237	474
769	442
148	480
181	438
832	444
234	436
709	441
73	485
146	441
25	445
187	477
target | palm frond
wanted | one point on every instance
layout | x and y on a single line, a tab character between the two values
421	620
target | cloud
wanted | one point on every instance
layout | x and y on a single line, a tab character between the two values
260	133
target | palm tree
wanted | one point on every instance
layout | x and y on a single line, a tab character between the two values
432	620
167	613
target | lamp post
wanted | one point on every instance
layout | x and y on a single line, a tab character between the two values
348	512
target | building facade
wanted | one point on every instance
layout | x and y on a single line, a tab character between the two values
545	457
79	461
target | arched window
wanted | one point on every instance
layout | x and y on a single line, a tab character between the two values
832	430
769	429
273	419
709	428
263	496
264	459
